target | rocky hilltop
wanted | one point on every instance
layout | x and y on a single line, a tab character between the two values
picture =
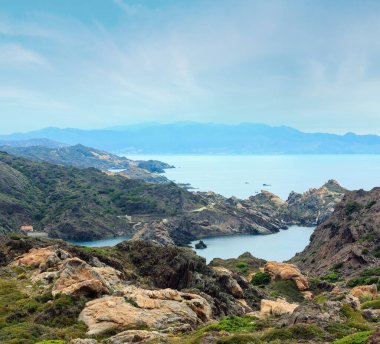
307	209
349	241
140	292
263	213
80	156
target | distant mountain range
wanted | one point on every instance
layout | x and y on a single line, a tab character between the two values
207	138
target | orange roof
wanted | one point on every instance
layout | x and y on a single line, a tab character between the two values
27	228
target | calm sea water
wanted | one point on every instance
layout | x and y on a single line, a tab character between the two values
101	242
243	176
278	247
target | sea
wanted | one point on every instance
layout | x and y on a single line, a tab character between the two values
243	176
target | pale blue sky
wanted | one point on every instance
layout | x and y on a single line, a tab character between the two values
313	65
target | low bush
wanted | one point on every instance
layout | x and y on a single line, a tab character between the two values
355	338
287	289
332	277
353	207
234	324
375	304
261	278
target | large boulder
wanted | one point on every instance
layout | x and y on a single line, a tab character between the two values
165	309
278	307
365	291
78	277
285	271
37	257
137	336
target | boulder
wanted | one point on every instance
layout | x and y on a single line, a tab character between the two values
137	336
365	291
226	278
35	257
78	277
285	271
200	245
166	310
278	307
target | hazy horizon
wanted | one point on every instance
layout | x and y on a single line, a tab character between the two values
120	127
310	65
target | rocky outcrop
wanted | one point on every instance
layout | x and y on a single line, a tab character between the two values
167	310
285	271
349	239
138	336
315	205
278	307
200	245
307	209
365	291
77	277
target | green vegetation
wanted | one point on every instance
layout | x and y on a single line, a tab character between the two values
374	304
353	207
287	289
234	324
242	267
366	277
25	319
261	278
52	342
331	277
355	338
298	332
79	203
354	318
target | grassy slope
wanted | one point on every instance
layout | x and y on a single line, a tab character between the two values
78	204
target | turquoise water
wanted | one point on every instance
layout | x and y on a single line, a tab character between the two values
278	247
101	242
243	176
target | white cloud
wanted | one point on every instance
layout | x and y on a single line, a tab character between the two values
15	55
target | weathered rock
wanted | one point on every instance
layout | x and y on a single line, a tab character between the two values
165	309
278	307
372	315
285	271
34	257
83	341
77	277
137	336
349	238
200	245
230	283
374	338
365	291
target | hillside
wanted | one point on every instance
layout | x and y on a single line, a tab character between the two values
84	157
79	203
348	243
209	138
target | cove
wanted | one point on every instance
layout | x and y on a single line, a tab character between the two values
279	247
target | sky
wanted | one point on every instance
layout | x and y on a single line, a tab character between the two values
312	65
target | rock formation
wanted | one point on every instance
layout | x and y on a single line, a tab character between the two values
349	241
165	309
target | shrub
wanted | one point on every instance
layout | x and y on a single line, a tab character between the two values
288	289
356	338
352	207
375	304
234	324
240	339
261	278
52	342
337	266
332	277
